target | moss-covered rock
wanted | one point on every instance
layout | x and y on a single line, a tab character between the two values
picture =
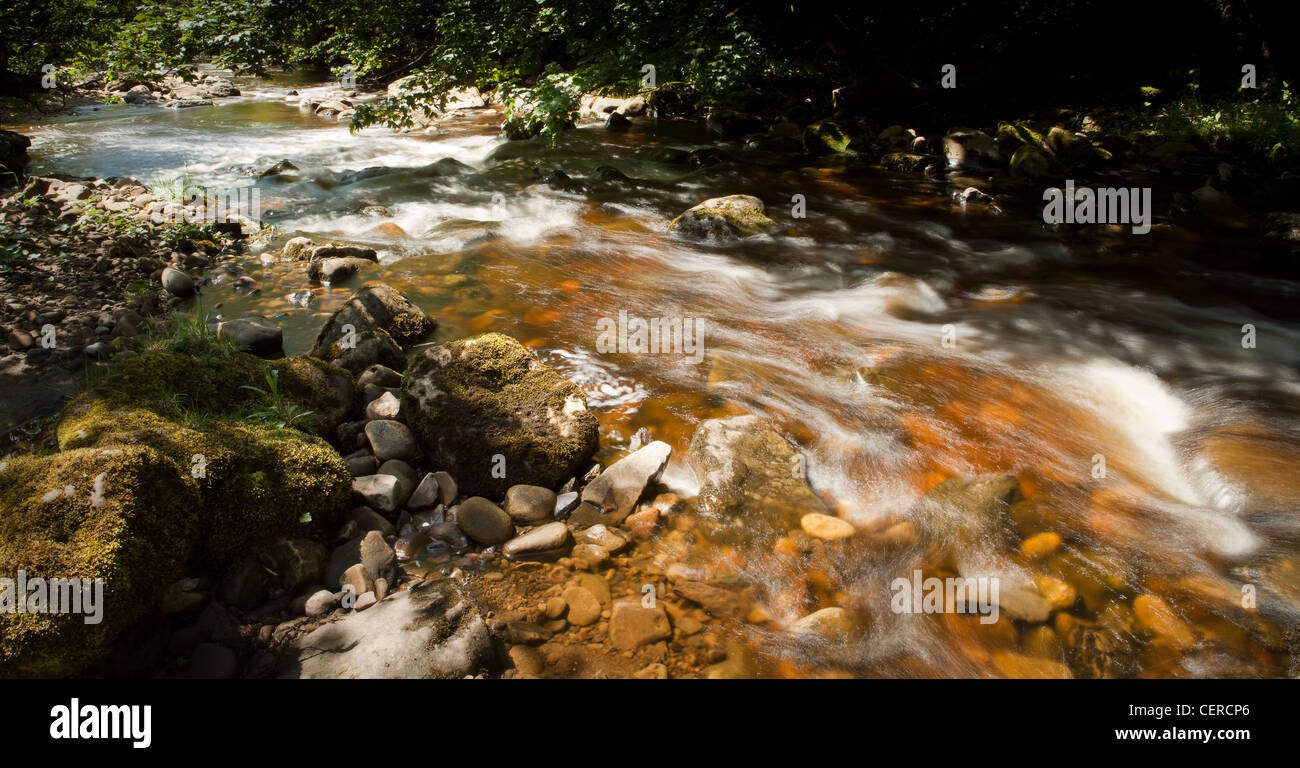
377	308
256	481
724	218
123	514
825	138
471	400
13	156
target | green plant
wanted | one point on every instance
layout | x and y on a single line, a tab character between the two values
277	410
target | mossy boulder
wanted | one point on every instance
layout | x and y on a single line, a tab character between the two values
724	218
13	156
256	481
826	138
123	514
475	399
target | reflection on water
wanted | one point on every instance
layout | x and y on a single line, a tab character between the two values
899	339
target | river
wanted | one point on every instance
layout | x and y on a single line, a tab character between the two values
898	338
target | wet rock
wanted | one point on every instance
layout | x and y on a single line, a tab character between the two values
1158	618
618	489
718	601
724	218
601	537
296	249
487	403
828	624
565	503
1020	666
643	524
390	439
336	270
527	660
529	504
447	489
255	333
377	308
631	625
411	545
432	630
749	472
964	516
484	521
545	542
826	527
583	606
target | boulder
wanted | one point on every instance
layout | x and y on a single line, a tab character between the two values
724	218
432	630
971	150
749	472
483	521
125	514
485	404
256	334
374	308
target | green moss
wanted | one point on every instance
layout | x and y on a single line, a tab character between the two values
255	481
472	399
137	537
826	137
742	215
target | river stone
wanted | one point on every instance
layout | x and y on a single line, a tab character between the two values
544	542
748	473
484	521
405	479
829	624
375	308
390	439
474	400
296	249
378	491
337	269
386	406
632	625
378	557
529	504
364	464
356	580
432	630
333	251
447	489
177	282
320	603
618	489
724	218
371	348
826	527
601	537
425	495
380	376
584	607
255	333
965	516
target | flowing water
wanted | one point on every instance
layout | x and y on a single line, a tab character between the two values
898	338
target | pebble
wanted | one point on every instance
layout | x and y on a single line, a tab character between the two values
584	607
321	603
826	527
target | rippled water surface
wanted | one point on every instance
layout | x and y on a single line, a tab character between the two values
1061	346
